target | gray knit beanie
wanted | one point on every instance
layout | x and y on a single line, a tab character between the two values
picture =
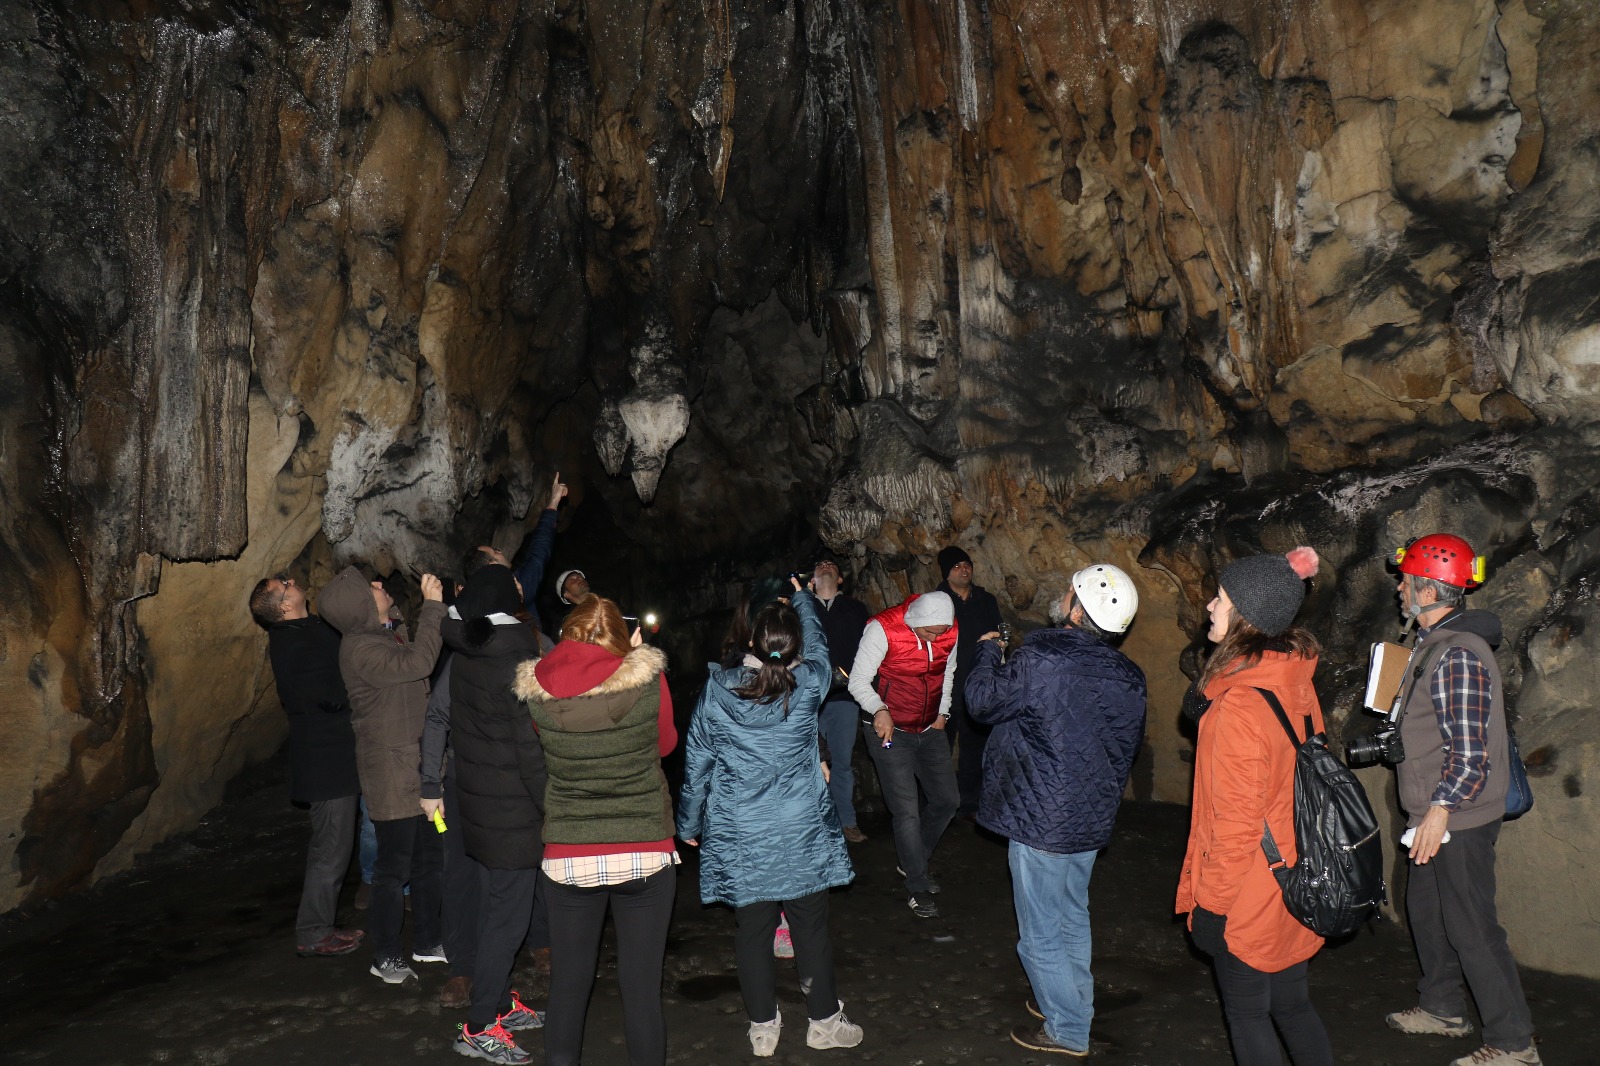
1269	589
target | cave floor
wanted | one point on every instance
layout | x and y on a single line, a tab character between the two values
188	958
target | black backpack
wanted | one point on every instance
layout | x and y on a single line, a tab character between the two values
1337	882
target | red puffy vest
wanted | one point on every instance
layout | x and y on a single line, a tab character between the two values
911	677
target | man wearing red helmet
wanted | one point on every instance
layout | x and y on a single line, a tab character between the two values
1452	783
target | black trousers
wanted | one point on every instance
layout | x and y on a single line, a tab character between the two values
813	955
505	903
463	886
1450	902
1254	1001
642	910
408	851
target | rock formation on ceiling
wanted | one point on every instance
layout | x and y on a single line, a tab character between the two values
1161	281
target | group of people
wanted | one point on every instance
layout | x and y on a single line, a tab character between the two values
546	756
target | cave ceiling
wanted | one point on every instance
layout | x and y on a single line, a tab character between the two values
1160	282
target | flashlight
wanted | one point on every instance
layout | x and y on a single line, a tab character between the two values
438	821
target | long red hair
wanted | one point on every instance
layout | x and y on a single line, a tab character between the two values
596	620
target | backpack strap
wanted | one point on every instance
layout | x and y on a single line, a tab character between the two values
1268	845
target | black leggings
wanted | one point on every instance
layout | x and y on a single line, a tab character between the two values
641	909
1253	1001
813	954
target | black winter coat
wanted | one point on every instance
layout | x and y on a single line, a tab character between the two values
322	747
499	763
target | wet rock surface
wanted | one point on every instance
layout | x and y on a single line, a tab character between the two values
189	958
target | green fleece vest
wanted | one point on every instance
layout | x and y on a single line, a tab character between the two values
606	784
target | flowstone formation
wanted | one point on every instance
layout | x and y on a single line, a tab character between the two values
1161	283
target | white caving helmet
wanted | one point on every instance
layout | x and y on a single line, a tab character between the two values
561	584
1107	595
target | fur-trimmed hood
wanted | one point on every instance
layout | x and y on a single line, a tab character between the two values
568	659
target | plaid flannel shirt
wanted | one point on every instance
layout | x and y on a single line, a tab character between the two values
1460	688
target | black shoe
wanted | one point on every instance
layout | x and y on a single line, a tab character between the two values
922	905
1034	1038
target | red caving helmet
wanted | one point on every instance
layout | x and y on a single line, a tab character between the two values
1442	557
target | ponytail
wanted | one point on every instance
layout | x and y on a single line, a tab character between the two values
775	640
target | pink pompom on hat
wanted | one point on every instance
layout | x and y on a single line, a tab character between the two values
1269	589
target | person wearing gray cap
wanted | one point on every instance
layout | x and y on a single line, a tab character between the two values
903	676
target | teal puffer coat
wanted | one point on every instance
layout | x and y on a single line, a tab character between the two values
753	793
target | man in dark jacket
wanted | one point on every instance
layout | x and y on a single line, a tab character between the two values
977	612
1068	716
304	651
843	619
387	679
500	781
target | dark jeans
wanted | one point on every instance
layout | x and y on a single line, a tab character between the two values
969	761
408	851
503	911
813	955
463	886
837	721
333	831
915	759
642	910
1450	902
1252	1001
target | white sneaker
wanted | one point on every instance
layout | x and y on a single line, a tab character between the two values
1487	1055
835	1031
764	1036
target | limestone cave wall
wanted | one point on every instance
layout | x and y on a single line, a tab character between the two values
295	284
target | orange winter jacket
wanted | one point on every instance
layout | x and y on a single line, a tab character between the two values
1244	774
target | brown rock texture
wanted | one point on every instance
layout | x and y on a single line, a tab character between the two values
1153	281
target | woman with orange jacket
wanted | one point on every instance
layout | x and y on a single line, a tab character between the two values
1244	777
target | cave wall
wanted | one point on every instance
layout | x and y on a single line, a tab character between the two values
295	285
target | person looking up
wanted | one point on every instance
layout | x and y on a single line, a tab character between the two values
304	652
843	620
1243	778
387	679
755	801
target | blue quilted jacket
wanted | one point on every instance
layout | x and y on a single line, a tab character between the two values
1068	713
753	793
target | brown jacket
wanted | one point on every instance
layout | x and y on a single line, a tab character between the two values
387	680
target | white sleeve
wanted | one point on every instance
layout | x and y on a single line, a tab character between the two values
949	683
869	656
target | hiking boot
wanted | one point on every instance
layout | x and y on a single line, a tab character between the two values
1034	1038
433	954
764	1036
1033	1008
854	834
783	942
327	947
833	1031
457	991
1419	1022
922	905
493	1044
933	886
520	1016
1486	1055
392	971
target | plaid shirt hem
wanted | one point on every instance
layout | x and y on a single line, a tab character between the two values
1461	691
597	871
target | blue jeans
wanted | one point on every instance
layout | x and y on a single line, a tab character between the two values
837	721
1052	898
915	759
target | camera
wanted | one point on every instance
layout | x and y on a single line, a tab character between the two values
1382	745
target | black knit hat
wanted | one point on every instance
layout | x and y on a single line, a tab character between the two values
492	590
1267	590
950	558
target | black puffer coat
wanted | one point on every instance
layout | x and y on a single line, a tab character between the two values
499	764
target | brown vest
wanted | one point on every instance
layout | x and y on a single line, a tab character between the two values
1420	732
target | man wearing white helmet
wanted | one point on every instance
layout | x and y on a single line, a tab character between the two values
1068	716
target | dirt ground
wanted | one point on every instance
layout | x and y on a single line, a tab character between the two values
189	958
